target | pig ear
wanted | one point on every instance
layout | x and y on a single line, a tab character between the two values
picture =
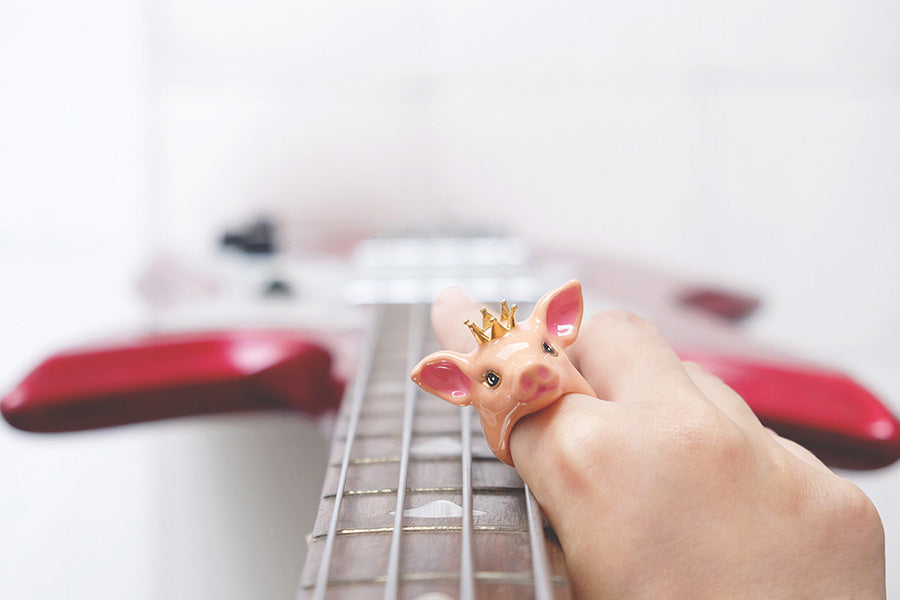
560	311
444	375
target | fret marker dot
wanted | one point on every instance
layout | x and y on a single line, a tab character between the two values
438	509
440	446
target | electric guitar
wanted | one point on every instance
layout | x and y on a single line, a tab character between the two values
414	504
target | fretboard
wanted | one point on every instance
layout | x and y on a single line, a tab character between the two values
414	504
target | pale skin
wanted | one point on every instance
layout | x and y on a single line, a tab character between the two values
666	485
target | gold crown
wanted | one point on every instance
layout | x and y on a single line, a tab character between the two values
491	328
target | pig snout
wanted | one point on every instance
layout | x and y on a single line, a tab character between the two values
536	381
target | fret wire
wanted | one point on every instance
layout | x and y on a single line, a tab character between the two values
542	589
466	572
369	460
359	388
501	577
497	489
425	529
414	350
393	436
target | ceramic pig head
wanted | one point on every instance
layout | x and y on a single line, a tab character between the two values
516	368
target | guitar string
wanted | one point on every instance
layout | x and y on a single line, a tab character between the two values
539	566
542	581
539	558
414	351
466	571
359	388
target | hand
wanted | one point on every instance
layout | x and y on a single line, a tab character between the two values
668	486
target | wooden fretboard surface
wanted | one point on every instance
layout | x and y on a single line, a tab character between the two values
466	527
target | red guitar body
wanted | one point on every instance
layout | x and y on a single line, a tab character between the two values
163	376
160	377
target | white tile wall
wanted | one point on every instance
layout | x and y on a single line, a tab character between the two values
755	144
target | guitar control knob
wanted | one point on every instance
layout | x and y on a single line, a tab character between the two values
256	238
277	288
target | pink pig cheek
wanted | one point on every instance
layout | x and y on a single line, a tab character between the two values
446	378
497	402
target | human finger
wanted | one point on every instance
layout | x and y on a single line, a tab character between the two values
723	397
449	310
799	451
625	359
565	448
730	402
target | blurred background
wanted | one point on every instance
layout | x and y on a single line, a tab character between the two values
750	145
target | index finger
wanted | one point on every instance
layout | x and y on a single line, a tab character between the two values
449	310
625	359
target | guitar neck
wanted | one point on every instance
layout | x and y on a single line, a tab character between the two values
414	504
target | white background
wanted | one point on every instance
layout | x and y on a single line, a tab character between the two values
752	145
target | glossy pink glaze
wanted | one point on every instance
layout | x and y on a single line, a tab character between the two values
530	377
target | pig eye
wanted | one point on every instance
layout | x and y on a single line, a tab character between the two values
490	379
549	349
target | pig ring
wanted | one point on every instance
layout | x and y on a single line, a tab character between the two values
516	368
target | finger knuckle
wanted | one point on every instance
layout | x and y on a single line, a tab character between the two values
703	378
693	367
856	507
847	515
697	371
707	435
619	317
575	450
